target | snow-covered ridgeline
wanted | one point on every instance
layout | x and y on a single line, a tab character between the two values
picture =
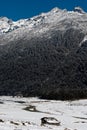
55	15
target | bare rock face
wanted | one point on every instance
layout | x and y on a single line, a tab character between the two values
45	56
49	121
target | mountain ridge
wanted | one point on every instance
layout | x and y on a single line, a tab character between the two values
8	25
46	57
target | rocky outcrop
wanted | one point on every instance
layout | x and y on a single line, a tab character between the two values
49	121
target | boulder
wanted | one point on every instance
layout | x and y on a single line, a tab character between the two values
50	121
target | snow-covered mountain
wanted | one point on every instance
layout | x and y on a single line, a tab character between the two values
55	19
7	25
45	56
55	15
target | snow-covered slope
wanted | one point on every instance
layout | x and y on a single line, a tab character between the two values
55	15
55	19
72	115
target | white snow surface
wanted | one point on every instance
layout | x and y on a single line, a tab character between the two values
71	114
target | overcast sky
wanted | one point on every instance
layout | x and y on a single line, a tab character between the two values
17	9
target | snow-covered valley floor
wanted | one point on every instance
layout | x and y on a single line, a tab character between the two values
26	113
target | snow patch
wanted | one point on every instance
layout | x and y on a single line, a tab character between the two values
84	40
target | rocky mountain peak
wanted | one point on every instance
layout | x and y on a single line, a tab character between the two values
4	19
52	17
55	10
79	10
